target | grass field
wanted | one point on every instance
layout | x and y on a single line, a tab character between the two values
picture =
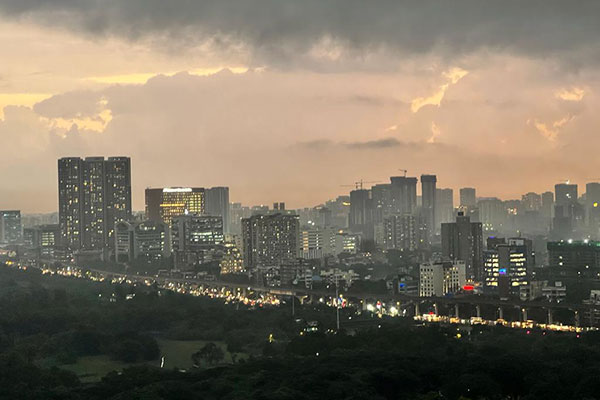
177	354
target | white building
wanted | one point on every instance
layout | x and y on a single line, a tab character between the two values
439	278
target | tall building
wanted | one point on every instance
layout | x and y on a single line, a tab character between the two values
444	209
118	192
428	203
492	214
11	229
565	193
463	240
404	194
163	204
531	201
547	205
93	195
340	209
270	240
217	203
400	232
437	279
360	219
567	210
468	197
146	240
196	239
383	205
592	207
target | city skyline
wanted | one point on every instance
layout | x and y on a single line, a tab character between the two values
139	199
280	111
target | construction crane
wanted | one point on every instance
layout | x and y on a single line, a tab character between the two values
359	185
403	170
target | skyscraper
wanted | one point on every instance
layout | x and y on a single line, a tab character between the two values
547	205
93	194
463	240
404	194
444	209
565	193
400	232
428	212
382	202
566	210
361	213
118	192
592	206
217	203
468	197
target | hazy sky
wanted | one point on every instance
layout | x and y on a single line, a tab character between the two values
287	100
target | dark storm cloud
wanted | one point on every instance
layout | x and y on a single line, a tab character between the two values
282	29
377	144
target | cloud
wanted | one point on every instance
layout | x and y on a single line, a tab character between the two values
435	133
384	143
572	94
334	29
453	75
551	131
229	129
377	144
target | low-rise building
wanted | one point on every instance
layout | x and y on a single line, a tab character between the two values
440	278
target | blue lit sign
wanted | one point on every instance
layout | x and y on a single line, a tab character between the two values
502	271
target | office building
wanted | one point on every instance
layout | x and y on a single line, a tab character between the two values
144	240
428	203
217	203
512	259
468	197
463	240
437	279
11	229
196	239
270	239
44	239
163	204
93	195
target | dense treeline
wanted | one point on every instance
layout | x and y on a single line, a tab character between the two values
397	360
